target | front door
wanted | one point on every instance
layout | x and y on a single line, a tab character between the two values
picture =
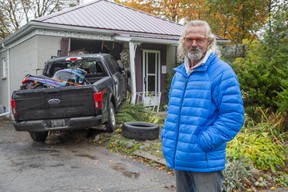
151	78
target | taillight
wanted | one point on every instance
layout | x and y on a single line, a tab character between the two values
98	99
25	80
13	107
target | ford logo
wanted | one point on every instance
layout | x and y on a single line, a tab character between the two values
54	101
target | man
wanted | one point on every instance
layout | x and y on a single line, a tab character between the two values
205	111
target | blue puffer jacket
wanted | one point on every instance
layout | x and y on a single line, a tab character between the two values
205	111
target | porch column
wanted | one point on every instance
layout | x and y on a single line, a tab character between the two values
132	51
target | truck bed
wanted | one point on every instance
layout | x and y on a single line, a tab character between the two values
54	103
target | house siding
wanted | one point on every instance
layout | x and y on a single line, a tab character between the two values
48	46
31	55
23	59
26	58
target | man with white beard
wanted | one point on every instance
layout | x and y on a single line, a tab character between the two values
205	111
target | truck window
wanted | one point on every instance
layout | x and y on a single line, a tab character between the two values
51	68
113	65
99	68
93	67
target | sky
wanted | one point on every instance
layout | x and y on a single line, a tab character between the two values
87	1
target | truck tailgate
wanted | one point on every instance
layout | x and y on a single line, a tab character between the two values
54	103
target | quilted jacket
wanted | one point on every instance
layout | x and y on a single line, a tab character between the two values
205	111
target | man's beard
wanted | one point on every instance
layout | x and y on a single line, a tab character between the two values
194	55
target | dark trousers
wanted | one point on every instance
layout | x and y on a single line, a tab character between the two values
187	181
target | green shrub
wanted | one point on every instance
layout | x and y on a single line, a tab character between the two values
273	123
137	112
263	142
235	173
258	148
282	180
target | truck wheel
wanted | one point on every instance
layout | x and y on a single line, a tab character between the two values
111	123
39	136
140	130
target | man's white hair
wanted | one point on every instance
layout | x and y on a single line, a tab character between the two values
209	35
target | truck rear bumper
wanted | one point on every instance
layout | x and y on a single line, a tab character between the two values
59	124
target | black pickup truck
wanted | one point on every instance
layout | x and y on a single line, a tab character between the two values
91	105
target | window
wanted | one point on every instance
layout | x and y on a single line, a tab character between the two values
4	68
113	65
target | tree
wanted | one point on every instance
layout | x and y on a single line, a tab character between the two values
173	10
237	20
176	10
16	13
263	73
142	5
276	49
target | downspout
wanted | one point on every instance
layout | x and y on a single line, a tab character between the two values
9	85
132	50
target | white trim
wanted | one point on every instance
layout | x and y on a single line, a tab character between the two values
132	51
71	34
58	33
32	26
155	40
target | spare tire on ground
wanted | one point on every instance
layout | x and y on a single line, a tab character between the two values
139	130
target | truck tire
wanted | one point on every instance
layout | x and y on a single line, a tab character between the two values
39	136
140	130
111	123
